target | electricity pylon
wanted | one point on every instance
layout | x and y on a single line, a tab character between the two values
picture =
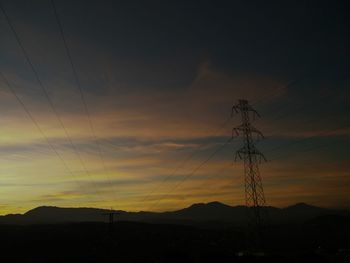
254	193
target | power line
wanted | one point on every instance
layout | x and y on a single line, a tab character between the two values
186	177
284	115
254	103
307	150
299	108
280	157
290	84
221	171
324	97
309	122
302	151
183	162
189	157
79	87
309	137
36	124
45	93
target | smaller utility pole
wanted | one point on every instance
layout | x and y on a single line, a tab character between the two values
111	221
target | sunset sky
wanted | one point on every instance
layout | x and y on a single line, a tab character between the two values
160	79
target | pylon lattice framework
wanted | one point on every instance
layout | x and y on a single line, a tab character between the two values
254	193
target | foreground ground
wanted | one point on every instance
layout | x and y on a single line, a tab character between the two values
138	242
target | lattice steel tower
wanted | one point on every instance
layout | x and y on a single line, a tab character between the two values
254	193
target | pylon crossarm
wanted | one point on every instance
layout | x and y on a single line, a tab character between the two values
238	154
256	131
235	108
235	131
258	153
247	128
250	108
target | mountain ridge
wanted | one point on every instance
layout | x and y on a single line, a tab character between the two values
195	213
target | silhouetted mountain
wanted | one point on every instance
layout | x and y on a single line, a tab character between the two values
212	212
52	214
208	213
301	207
302	212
